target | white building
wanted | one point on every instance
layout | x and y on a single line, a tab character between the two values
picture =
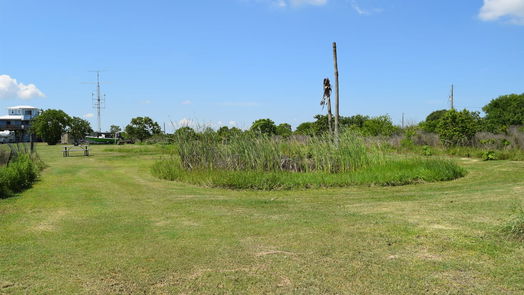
18	119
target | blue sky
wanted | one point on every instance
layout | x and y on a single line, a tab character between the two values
234	61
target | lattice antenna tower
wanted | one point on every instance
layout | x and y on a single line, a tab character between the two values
98	100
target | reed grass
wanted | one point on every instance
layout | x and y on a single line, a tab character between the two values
251	152
263	163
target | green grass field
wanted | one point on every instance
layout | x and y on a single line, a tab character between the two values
106	225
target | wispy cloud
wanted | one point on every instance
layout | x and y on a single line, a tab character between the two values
510	10
10	88
186	102
361	11
239	104
89	115
147	101
358	9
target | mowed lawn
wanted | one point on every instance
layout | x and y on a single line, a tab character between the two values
105	225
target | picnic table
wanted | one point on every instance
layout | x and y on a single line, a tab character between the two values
81	148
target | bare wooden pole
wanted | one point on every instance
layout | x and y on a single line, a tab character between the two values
337	114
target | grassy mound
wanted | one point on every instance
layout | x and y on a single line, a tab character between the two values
264	163
392	173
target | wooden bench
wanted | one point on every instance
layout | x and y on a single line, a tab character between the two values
81	148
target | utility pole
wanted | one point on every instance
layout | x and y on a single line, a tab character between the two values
452	97
337	93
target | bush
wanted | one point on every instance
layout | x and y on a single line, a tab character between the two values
458	128
18	175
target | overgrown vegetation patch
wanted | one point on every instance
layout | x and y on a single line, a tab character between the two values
19	172
264	163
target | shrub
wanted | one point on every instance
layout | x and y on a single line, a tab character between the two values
380	126
432	120
458	128
19	174
488	156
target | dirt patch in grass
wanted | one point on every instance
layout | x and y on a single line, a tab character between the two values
50	223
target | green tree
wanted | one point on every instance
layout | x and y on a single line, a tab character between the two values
320	126
142	128
264	126
114	129
432	120
226	133
50	125
380	125
79	128
505	111
458	128
356	121
306	128
185	133
284	130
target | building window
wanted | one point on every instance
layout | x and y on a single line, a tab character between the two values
28	113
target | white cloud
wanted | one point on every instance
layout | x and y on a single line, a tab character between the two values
511	10
186	102
10	88
89	115
147	101
232	123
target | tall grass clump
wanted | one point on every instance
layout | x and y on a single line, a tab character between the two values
19	173
253	161
253	152
515	226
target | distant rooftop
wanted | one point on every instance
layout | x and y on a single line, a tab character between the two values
22	107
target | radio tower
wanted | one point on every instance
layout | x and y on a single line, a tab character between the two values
99	102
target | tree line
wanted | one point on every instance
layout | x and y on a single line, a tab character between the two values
454	127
